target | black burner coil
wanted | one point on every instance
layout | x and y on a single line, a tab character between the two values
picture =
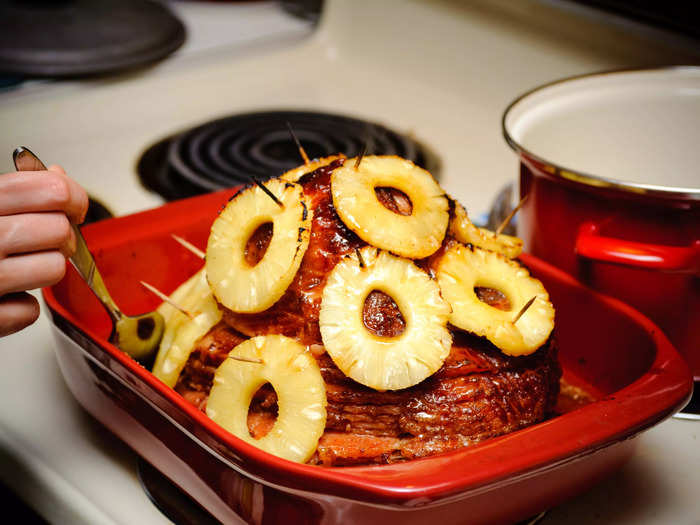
226	152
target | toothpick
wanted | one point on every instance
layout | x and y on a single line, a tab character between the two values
510	216
361	155
165	298
247	359
296	141
359	257
267	192
524	309
191	247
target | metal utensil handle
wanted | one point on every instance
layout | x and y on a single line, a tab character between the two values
82	259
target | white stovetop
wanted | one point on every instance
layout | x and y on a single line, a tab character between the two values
441	70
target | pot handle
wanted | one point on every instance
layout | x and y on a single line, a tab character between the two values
592	245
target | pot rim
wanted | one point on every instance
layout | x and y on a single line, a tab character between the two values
588	179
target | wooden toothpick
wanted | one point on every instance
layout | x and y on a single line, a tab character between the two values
507	220
359	257
361	155
267	192
247	359
165	298
188	245
303	154
524	309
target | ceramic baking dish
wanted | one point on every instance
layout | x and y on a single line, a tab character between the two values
608	348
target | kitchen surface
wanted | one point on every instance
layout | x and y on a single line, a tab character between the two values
438	73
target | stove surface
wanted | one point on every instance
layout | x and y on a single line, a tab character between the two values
439	72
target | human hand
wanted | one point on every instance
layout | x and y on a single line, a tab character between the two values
36	211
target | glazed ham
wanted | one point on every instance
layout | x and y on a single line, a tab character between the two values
296	313
478	393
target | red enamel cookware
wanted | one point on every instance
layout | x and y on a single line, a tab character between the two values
610	163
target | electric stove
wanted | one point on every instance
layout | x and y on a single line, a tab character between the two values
430	78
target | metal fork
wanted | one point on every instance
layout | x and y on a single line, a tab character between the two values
138	335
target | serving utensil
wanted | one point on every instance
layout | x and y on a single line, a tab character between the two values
138	335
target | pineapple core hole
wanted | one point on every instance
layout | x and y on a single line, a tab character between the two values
493	297
257	244
382	316
394	200
262	412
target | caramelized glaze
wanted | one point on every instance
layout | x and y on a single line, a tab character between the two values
381	315
394	200
493	297
258	243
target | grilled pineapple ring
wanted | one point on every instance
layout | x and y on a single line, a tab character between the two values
461	269
182	333
238	285
462	229
416	235
301	395
384	363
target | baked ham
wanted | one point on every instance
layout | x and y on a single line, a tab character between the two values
478	393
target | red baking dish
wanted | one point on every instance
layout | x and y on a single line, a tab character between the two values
607	348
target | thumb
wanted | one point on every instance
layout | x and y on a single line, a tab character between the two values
56	168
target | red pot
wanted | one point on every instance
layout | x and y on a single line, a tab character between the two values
611	166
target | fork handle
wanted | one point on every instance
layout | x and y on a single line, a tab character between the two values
82	259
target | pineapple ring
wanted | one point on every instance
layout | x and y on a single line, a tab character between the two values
384	363
182	333
301	395
462	268
236	284
462	229
297	173
416	235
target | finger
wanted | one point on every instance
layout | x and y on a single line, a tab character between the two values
57	168
34	191
33	270
34	232
78	196
17	311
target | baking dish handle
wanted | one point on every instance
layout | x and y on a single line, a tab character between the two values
592	245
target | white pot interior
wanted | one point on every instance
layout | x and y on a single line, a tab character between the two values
637	128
